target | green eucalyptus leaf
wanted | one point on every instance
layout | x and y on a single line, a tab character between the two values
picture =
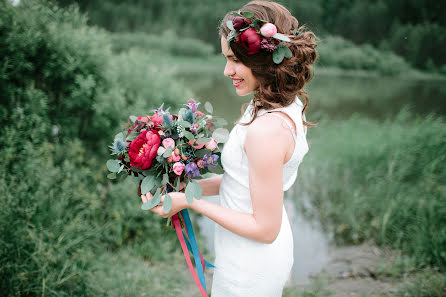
278	55
198	191
167	204
111	175
177	184
133	118
281	37
121	168
200	153
189	135
208	106
189	193
203	140
184	124
168	152
220	135
120	136
113	165
152	202
288	53
160	151
217	169
165	179
147	184
229	25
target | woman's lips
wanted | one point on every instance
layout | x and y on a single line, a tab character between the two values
237	82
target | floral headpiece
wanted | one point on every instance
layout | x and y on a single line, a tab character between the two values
255	35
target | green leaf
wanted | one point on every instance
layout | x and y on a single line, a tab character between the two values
133	118
217	169
167	203
208	107
203	140
132	136
120	136
288	53
189	135
236	14
189	192
198	191
200	153
177	184
278	55
120	168
113	165
168	152
248	14
184	124
229	25
221	135
152	202
147	184
281	37
160	151
165	179
111	175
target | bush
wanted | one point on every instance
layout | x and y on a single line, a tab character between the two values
166	43
337	52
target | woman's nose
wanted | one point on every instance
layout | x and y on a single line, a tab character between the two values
229	69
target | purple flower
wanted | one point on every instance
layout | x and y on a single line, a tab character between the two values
209	160
192	105
192	169
159	110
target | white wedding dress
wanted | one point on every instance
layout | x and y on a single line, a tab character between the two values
244	267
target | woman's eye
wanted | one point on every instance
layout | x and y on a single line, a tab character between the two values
236	61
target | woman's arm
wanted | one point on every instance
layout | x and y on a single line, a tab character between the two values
211	185
266	149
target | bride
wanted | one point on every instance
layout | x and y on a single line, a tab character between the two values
253	239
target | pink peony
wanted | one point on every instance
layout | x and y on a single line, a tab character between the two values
143	149
250	40
199	114
169	142
268	30
178	168
211	145
143	119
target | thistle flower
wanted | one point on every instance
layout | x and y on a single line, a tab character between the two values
118	147
192	105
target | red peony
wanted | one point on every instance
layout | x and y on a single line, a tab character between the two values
144	148
250	40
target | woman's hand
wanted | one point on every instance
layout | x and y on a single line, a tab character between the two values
178	203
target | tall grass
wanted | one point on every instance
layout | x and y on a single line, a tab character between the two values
383	181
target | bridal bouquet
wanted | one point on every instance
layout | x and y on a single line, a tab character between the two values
161	151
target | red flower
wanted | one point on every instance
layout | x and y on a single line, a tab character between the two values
238	23
157	120
250	40
143	149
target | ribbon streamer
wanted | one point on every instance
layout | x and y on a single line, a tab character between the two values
178	229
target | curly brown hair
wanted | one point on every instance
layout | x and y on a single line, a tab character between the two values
279	83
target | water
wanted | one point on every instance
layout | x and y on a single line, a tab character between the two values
336	97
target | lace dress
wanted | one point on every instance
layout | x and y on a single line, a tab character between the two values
245	267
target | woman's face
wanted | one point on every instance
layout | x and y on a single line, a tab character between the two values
242	78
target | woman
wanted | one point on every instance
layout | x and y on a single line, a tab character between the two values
253	239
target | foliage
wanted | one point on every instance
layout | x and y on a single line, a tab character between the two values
427	284
62	93
339	52
386	184
166	43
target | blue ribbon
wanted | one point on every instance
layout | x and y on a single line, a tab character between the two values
194	247
206	263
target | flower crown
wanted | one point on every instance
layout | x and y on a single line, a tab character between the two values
255	35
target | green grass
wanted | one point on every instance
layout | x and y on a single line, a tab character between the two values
382	181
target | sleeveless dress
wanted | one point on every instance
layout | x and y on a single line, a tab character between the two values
245	267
